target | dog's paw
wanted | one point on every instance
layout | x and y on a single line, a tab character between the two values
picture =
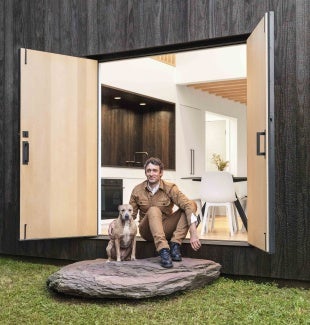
133	258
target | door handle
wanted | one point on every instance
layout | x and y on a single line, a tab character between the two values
258	149
25	152
192	169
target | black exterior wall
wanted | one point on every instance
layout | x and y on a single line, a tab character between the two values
92	27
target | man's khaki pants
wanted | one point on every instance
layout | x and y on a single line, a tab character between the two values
161	228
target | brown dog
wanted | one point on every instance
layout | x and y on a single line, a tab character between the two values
122	232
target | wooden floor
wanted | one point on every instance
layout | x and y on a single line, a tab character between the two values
219	236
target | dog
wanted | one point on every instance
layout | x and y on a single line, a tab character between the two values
122	232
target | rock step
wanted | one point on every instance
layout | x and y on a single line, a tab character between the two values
137	279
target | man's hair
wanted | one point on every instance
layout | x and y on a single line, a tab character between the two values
154	161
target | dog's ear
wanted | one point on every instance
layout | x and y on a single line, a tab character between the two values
119	207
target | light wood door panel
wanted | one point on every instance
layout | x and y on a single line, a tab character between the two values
259	92
58	186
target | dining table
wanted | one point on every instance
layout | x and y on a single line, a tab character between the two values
236	179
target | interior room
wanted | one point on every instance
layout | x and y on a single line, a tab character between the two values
182	107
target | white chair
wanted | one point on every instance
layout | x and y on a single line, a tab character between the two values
199	206
217	189
244	202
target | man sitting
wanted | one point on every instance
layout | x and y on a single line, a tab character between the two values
155	199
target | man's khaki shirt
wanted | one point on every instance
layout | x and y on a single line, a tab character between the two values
165	198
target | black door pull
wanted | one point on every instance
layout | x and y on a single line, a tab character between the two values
258	149
25	147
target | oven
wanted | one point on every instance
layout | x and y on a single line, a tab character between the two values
111	197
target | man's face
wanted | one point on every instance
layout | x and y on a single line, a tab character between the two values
153	174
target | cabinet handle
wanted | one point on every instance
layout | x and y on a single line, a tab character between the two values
193	162
192	171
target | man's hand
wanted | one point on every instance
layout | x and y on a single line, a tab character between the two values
194	239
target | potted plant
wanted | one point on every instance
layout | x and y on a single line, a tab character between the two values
219	162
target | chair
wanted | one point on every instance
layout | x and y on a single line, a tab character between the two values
244	203
217	189
199	206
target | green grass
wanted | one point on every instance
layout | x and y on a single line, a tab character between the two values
25	299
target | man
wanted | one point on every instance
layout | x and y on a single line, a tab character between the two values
155	199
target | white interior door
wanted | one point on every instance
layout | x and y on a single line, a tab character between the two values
215	141
192	144
260	124
58	170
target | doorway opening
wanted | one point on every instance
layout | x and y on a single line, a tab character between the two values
78	192
182	79
221	139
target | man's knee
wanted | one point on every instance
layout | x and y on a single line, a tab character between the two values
154	211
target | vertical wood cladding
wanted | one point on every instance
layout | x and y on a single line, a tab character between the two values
121	131
83	28
131	132
127	131
159	135
2	114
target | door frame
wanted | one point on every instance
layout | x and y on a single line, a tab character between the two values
196	45
205	44
271	134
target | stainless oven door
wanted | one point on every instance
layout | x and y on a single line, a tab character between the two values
111	197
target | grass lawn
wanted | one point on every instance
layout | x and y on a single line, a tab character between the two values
25	299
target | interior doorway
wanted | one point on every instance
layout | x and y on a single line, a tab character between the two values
221	139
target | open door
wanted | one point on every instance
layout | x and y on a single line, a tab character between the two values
58	130
260	134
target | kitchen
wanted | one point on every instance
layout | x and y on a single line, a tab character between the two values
192	110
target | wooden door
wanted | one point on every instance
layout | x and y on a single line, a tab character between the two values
58	171
260	124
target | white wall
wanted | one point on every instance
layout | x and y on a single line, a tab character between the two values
144	76
206	102
219	63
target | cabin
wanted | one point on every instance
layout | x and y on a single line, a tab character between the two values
90	89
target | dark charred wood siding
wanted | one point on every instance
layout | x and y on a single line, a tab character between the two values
95	27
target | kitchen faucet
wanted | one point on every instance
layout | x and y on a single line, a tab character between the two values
143	153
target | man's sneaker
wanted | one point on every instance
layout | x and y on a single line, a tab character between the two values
165	258
175	251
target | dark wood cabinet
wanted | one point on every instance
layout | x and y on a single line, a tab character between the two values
130	133
159	135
